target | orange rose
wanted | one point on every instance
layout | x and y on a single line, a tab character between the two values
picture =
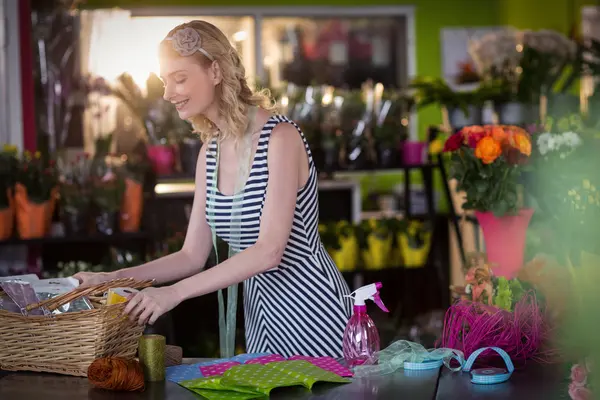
499	134
488	150
520	141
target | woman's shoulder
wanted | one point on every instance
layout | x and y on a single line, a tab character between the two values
282	119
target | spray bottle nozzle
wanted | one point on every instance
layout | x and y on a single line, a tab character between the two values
370	292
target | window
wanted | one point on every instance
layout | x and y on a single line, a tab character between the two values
343	52
114	42
118	42
342	47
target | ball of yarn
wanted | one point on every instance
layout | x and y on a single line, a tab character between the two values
118	374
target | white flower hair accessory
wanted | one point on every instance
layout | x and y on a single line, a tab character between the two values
187	41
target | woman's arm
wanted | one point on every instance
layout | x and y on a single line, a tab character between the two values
196	247
285	156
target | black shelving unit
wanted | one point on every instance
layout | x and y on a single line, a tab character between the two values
92	248
115	238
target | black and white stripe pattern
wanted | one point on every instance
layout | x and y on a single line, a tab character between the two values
298	307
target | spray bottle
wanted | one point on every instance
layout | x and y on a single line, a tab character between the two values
361	338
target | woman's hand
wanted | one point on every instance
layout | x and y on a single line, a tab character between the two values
93	278
149	304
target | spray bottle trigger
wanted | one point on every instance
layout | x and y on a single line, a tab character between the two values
379	303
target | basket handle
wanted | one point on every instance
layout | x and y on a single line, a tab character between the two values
58	301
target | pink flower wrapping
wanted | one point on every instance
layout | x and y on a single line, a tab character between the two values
578	375
577	392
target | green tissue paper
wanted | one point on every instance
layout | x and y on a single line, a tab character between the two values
252	381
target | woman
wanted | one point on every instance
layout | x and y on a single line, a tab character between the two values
256	188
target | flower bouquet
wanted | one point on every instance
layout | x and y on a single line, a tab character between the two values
495	311
487	163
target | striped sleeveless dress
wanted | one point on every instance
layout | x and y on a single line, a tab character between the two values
298	307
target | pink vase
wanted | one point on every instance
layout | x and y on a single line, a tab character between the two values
413	153
505	240
162	159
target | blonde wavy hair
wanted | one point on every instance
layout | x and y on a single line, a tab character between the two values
233	94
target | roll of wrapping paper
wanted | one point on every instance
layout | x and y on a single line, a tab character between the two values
152	357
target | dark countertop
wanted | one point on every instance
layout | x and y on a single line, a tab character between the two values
534	382
531	383
33	386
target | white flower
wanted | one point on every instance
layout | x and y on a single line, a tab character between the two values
571	139
468	289
546	142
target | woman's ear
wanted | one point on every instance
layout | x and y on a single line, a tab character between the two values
215	73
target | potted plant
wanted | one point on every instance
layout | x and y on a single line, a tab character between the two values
375	241
464	108
8	170
340	242
108	187
75	193
415	242
390	129
388	138
523	66
36	193
155	115
487	163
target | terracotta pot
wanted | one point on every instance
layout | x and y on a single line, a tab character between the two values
131	208
33	219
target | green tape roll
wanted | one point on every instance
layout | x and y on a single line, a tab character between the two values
152	357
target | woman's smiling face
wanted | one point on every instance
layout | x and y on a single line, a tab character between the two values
188	85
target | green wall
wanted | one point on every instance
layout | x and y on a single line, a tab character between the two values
557	15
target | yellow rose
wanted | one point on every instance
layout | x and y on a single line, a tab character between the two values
521	142
488	150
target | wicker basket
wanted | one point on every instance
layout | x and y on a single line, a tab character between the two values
68	343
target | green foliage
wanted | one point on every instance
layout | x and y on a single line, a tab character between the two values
38	176
429	90
507	292
489	187
566	187
503	298
8	168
